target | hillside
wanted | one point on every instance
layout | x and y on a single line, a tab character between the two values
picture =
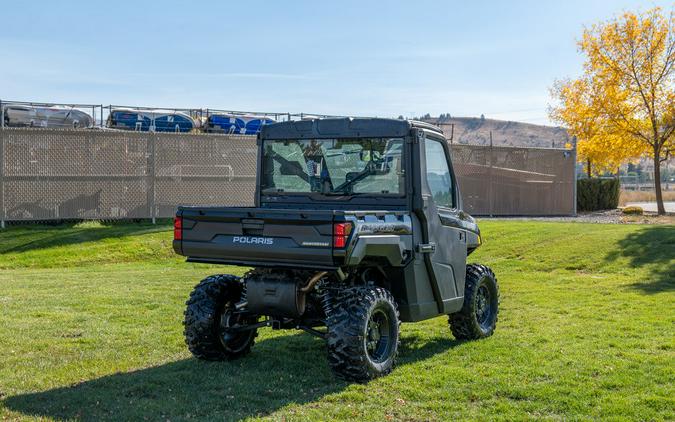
474	130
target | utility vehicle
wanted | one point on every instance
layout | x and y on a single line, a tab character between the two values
357	226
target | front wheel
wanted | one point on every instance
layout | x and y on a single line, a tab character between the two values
209	314
478	317
363	333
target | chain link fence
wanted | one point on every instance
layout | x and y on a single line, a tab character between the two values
510	181
52	174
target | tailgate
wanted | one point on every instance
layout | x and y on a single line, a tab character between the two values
257	237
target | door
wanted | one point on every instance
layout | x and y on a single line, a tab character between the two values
446	245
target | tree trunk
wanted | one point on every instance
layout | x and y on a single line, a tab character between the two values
657	182
588	167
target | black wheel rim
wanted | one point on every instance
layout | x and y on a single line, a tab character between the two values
484	308
378	336
234	341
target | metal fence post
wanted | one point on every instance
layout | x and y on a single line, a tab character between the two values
491	179
574	172
2	178
152	138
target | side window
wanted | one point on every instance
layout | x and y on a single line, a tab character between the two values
438	174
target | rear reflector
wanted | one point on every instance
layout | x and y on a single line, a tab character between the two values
341	232
178	228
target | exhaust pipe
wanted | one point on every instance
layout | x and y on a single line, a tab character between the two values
312	281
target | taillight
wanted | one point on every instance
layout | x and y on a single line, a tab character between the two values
178	228
341	232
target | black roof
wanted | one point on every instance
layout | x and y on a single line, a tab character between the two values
347	127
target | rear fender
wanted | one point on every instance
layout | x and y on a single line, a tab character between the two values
385	236
391	247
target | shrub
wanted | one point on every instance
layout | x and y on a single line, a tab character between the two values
632	210
597	194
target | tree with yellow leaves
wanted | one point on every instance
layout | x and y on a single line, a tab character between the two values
623	107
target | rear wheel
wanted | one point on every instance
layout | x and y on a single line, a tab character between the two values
210	316
478	316
363	333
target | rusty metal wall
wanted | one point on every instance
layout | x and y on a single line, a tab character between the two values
48	174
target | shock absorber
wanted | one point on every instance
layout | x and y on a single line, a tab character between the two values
326	299
243	301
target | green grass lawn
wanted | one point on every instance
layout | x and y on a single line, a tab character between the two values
90	329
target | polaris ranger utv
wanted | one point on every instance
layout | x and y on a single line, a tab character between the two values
357	226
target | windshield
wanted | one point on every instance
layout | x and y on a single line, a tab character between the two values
344	166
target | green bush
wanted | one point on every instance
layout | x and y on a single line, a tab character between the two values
633	211
597	194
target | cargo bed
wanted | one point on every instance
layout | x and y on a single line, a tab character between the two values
256	236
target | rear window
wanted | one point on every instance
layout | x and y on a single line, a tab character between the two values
345	166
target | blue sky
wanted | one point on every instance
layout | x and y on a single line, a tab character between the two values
496	58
